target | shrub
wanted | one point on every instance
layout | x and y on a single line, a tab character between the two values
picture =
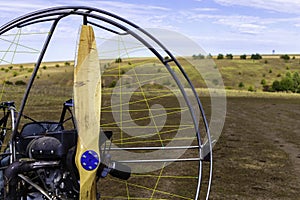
266	62
276	86
290	82
15	74
251	89
263	82
118	60
229	56
256	56
20	82
57	66
67	64
241	85
10	67
8	82
30	70
285	57
199	56
220	56
243	57
44	67
296	77
270	71
287	84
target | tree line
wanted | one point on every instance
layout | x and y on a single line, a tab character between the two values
289	83
229	56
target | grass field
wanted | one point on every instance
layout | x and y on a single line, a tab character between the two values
257	156
236	71
252	72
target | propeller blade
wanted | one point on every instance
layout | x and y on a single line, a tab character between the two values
87	109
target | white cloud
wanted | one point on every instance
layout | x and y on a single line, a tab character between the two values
238	23
142	14
251	28
13	9
205	9
19	7
243	24
285	6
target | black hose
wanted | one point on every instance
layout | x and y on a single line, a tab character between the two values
11	177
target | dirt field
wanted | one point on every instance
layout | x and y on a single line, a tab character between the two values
258	154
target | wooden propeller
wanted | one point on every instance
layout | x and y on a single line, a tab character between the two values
87	109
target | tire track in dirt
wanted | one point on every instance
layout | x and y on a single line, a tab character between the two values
257	156
282	119
279	121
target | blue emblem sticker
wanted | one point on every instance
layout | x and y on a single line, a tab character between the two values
89	160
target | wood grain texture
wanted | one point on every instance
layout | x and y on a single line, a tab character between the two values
87	107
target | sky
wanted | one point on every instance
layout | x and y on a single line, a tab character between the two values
218	26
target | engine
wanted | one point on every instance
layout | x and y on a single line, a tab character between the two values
58	183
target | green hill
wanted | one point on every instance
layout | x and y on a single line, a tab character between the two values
237	74
252	72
